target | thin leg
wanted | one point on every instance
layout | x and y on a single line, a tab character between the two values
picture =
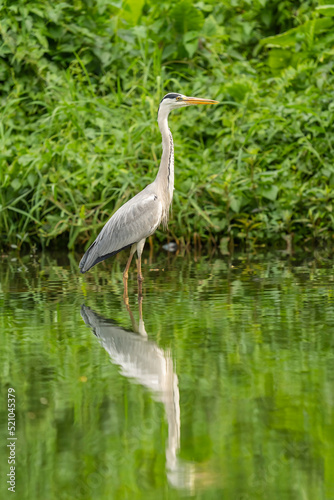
140	277
133	321
140	328
150	240
141	324
126	270
126	273
125	294
140	307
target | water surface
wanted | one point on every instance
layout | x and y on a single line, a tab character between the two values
219	383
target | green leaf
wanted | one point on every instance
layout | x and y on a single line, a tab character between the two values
326	10
190	42
270	193
279	59
132	10
186	17
290	37
238	90
16	184
235	203
201	212
211	28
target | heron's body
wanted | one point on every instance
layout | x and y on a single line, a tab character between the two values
138	218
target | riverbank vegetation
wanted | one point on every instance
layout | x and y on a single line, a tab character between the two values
80	87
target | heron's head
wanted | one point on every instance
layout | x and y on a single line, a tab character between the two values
174	101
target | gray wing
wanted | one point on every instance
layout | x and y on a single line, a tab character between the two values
138	357
135	220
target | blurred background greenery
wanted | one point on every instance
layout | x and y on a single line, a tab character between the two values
80	87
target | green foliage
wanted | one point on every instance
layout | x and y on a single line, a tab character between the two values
302	42
81	83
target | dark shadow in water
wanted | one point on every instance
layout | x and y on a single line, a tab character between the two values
142	360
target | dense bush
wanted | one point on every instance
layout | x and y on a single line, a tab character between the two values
80	87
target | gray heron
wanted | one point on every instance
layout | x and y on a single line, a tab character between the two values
143	361
139	217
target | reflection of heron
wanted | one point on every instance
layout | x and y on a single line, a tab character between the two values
137	219
142	360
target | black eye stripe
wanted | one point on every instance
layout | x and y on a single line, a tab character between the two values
171	96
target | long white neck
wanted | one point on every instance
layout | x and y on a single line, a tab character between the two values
165	176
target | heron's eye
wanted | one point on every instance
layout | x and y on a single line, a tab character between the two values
178	98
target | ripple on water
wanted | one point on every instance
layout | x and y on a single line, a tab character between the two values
218	382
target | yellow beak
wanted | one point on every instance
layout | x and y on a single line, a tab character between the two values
198	100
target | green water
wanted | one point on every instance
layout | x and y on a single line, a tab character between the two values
223	389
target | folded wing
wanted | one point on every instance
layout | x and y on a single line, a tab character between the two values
135	220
